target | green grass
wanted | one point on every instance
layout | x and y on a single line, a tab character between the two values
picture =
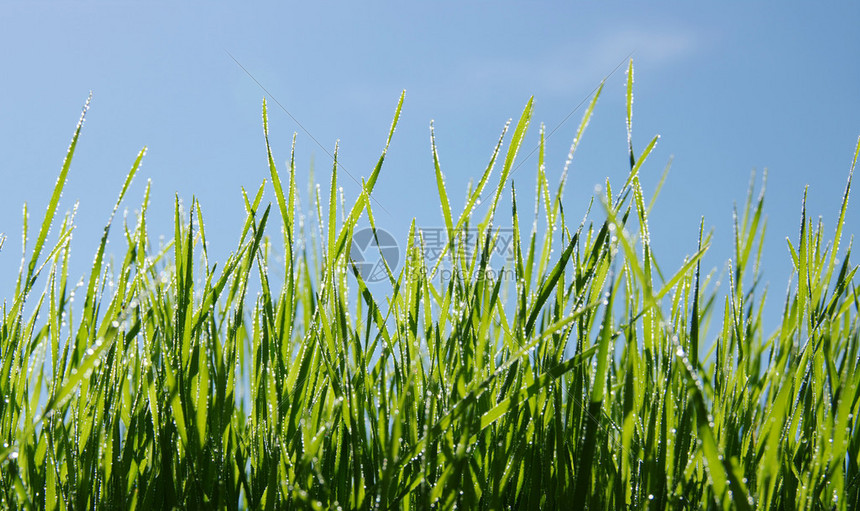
163	381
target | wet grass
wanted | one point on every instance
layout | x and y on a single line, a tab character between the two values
593	379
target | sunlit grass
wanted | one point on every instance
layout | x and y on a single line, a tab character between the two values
588	380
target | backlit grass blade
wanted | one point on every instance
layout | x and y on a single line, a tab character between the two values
630	115
660	184
52	205
586	118
510	157
548	285
440	184
634	171
332	213
357	208
594	414
840	222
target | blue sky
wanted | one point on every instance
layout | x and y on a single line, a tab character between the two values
730	89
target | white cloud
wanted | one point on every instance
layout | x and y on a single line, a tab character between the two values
576	65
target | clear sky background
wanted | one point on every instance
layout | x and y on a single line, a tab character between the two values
730	88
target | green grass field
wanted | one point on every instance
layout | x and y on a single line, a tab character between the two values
594	378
